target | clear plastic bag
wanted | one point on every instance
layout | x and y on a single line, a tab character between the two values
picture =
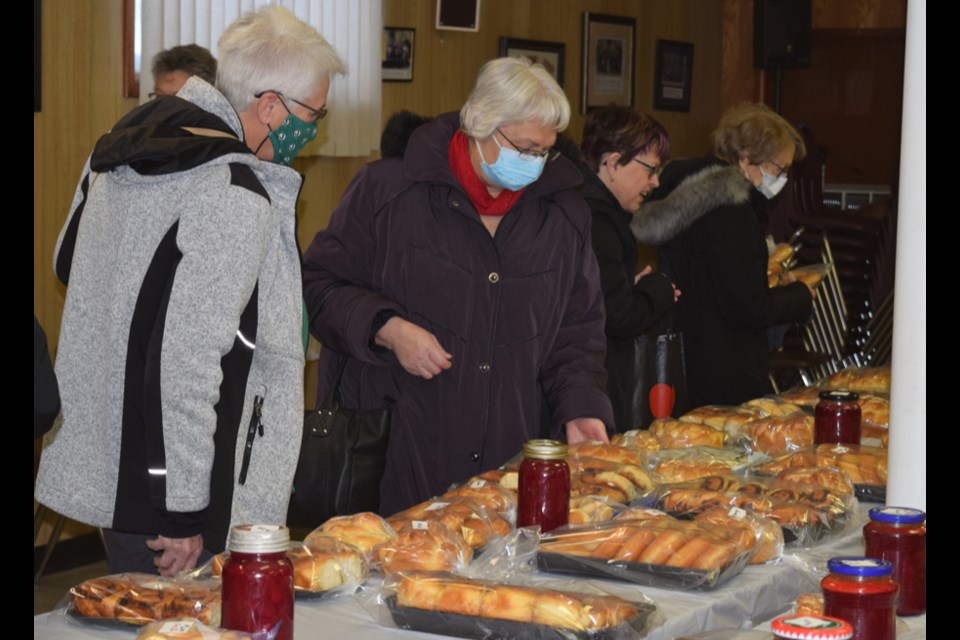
126	599
776	435
191	629
871	379
681	465
466	516
491	494
673	434
446	604
638	440
363	530
323	566
661	552
866	466
423	545
726	418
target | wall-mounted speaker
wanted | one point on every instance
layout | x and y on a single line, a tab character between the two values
781	33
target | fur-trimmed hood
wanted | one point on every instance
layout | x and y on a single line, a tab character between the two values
698	194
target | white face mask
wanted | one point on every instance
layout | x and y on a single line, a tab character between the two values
770	186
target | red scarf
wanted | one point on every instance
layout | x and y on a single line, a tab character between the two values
462	167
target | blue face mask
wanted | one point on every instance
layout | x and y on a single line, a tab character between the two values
511	171
770	186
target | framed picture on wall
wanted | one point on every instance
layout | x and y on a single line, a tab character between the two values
397	54
607	61
458	15
549	54
672	76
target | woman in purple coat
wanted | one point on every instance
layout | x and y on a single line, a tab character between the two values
461	281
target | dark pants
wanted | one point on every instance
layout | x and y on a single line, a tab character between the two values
129	552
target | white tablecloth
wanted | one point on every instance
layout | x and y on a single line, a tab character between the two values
757	595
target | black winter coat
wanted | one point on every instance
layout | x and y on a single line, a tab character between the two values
520	311
708	222
632	309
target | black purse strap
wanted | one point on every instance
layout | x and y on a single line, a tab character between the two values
333	398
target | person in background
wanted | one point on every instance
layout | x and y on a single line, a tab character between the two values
461	282
623	152
174	66
707	217
181	357
396	133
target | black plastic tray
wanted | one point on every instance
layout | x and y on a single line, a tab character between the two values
871	492
650	575
461	626
104	623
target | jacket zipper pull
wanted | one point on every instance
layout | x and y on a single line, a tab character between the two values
256	425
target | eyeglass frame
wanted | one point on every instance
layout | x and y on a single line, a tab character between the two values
321	113
654	171
781	171
550	154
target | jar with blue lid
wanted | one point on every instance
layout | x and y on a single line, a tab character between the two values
862	591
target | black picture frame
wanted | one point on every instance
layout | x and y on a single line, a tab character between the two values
396	54
608	61
549	54
673	75
458	15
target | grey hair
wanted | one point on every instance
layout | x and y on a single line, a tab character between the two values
272	50
513	90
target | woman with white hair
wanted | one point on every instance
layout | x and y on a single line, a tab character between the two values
461	282
181	350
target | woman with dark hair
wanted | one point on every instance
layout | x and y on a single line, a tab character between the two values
708	222
623	152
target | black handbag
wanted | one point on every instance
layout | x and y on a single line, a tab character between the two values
342	457
660	378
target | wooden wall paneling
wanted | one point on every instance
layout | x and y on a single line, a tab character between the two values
860	14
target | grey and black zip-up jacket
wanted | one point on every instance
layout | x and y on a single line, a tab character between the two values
180	358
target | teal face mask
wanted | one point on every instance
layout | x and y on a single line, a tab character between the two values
290	137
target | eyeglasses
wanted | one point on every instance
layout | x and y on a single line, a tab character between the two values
781	171
655	171
532	154
317	114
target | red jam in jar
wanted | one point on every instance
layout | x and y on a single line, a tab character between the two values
837	418
543	485
258	582
794	627
862	592
899	536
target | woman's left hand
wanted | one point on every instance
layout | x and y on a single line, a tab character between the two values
583	429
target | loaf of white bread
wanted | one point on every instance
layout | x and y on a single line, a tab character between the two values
444	592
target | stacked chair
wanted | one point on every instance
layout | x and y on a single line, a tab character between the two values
852	319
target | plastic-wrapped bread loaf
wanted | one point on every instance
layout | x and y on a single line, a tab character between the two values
875	379
363	530
675	434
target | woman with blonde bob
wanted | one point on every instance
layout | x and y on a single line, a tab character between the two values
708	218
461	283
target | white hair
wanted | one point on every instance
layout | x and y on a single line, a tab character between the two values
513	90
273	50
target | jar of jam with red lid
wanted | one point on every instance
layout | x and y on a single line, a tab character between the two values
258	581
862	592
796	627
543	485
899	536
837	418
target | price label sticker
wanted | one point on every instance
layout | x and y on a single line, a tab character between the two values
478	484
437	506
737	512
420	525
178	626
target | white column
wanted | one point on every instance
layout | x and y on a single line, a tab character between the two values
907	482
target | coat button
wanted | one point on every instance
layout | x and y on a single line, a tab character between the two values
475	456
455	204
494	277
484	367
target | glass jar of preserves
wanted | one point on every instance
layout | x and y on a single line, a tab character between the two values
258	581
543	485
862	592
837	418
797	627
899	536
